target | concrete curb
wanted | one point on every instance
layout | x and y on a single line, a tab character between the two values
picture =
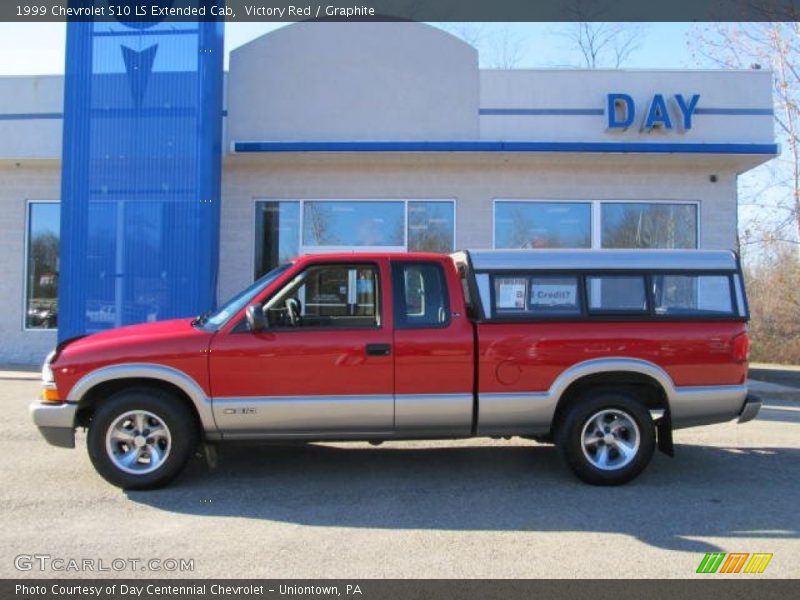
774	367
773	391
20	372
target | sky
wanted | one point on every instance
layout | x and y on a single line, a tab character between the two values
38	48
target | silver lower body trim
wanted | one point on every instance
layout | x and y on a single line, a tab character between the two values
56	422
303	416
691	406
434	412
512	413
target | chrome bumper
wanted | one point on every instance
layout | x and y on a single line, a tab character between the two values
56	422
752	404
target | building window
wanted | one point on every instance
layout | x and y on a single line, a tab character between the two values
41	277
353	224
648	225
287	228
277	234
595	224
542	224
431	226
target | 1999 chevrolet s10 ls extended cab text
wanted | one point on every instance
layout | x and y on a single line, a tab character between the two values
603	352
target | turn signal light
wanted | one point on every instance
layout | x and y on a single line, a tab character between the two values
50	394
741	348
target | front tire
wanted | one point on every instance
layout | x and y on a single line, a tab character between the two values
606	438
141	438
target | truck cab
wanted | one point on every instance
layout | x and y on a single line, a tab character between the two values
602	352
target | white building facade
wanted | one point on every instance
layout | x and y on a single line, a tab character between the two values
389	136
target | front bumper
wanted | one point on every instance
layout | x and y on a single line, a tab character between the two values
752	404
56	422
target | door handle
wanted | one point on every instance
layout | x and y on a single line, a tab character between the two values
379	349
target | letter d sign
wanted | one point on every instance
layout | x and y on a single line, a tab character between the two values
621	111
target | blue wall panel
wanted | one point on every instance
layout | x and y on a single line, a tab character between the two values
140	173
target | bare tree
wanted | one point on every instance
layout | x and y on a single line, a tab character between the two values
776	198
506	49
498	47
770	195
604	44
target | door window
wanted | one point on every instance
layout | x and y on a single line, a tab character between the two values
328	296
420	296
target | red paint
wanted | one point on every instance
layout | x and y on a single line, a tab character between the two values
437	361
692	353
173	343
305	363
512	357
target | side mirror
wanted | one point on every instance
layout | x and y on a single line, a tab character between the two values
256	320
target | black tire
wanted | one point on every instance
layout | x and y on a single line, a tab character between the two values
180	426
589	410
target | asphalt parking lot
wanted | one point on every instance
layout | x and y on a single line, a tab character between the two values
479	508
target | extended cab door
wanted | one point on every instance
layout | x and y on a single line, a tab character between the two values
324	364
433	350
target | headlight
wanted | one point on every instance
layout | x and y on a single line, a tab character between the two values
49	389
47	371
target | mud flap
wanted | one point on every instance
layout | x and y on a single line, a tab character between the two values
664	435
210	454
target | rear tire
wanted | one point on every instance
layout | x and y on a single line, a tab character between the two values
606	437
141	438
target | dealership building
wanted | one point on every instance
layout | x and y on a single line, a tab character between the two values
351	136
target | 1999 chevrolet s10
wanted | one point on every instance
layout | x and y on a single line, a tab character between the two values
603	352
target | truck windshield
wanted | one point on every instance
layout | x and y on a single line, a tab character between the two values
214	319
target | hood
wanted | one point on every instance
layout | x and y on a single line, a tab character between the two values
136	342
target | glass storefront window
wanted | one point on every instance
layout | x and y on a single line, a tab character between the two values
41	298
543	224
431	226
353	223
277	234
648	225
288	228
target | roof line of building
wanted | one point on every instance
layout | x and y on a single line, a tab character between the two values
506	146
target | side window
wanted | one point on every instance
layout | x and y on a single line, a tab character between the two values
681	295
554	295
537	296
328	296
616	293
510	294
420	295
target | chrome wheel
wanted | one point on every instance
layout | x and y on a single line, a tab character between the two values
610	439
138	442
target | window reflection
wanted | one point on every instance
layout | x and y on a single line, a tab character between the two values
431	226
41	303
543	225
287	228
349	223
649	225
277	234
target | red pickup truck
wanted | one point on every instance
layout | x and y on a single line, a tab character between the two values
603	352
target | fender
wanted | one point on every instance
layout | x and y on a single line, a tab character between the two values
521	412
177	378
